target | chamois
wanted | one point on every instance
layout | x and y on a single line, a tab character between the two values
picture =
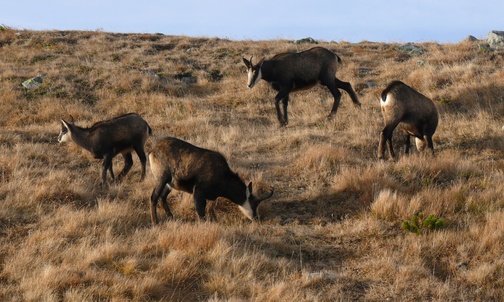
205	174
106	139
413	112
288	72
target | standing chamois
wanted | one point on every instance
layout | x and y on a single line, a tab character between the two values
288	72
415	114
203	173
106	139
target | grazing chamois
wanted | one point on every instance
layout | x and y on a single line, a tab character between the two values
415	114
205	174
288	72
106	139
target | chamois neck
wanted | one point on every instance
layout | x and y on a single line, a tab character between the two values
234	190
266	70
80	136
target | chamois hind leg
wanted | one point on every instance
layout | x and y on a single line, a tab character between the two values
161	190
386	138
164	204
337	97
128	163
430	144
348	88
407	143
285	102
143	159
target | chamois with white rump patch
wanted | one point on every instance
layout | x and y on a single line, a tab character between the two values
415	114
179	165
288	72
106	139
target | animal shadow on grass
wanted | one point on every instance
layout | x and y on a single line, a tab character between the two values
319	210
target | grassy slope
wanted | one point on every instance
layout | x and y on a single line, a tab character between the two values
336	210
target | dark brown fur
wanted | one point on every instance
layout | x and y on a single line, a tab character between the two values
298	71
415	114
108	138
179	165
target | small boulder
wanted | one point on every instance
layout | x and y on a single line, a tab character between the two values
495	38
410	49
308	40
34	82
470	39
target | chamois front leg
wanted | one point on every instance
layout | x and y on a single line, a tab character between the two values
200	203
107	165
283	96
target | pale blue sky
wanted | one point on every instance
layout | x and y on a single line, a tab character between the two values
351	20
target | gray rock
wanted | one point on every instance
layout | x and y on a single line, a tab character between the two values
34	82
371	84
308	40
470	39
495	38
364	71
411	49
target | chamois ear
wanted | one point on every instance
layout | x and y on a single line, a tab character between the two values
72	120
248	192
247	62
65	124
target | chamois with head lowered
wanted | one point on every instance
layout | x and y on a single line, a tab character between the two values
415	114
106	139
205	174
288	72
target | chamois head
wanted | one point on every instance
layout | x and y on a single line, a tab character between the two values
249	207
65	134
253	71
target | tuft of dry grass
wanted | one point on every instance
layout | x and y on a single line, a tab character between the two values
331	232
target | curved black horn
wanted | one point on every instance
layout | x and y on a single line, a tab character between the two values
266	196
251	59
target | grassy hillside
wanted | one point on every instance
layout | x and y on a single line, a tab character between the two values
333	231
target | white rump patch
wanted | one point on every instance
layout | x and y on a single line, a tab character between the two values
420	144
247	210
156	168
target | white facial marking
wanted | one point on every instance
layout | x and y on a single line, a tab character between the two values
251	82
250	77
65	136
247	209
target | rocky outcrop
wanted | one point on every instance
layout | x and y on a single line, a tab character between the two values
495	38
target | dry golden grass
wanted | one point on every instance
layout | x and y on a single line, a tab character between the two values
331	232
